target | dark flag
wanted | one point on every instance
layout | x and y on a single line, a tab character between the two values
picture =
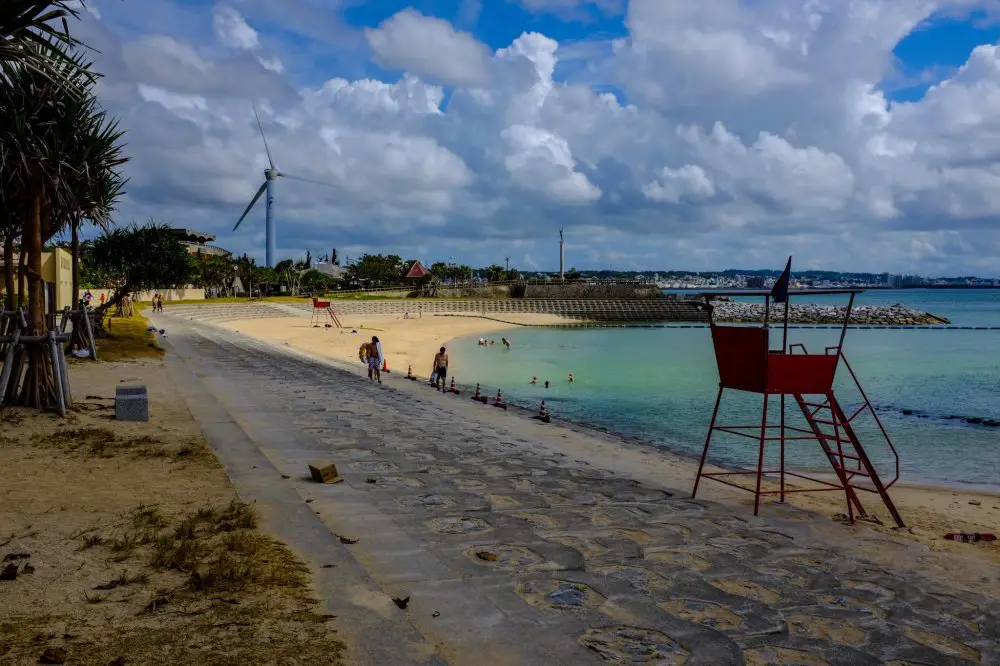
779	292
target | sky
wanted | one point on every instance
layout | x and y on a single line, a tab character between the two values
856	135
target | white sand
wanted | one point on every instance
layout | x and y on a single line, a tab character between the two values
405	342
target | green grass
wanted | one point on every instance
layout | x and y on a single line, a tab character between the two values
128	338
229	299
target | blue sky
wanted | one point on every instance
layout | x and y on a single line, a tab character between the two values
935	50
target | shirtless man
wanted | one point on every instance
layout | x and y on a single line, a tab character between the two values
374	358
440	368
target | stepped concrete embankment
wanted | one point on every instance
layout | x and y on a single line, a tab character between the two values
581	310
809	313
622	310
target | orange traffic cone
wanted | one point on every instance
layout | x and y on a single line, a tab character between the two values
385	366
543	413
478	396
499	400
409	373
452	389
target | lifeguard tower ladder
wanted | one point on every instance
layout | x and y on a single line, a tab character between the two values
747	363
323	314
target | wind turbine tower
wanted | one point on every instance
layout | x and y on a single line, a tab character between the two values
561	256
271	176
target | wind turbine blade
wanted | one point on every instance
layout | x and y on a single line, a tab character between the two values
252	202
309	180
261	128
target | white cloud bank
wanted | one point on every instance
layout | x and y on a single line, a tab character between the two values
751	130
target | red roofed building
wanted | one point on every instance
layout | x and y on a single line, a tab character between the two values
417	271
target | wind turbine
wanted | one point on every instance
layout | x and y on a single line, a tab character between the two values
271	176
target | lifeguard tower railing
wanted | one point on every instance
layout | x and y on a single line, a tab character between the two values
747	363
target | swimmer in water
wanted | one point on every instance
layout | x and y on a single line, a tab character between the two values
534	380
571	378
506	342
546	383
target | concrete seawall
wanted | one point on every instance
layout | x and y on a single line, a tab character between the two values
581	310
624	310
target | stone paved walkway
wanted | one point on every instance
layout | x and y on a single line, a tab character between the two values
511	554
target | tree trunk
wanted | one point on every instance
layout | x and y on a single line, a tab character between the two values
36	288
39	388
8	270
74	249
22	284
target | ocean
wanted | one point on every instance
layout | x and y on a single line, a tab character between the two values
659	386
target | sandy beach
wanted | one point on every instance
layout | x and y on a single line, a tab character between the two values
929	512
405	342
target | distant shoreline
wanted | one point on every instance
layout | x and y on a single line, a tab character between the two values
906	288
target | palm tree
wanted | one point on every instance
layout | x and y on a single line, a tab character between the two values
34	34
97	187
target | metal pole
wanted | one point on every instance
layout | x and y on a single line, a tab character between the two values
708	439
90	333
8	363
784	336
760	455
782	464
847	318
54	350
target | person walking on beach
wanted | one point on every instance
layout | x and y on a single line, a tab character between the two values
440	368
375	359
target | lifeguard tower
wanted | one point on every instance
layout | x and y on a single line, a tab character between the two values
747	363
323	314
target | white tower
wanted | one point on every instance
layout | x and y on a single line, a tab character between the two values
561	256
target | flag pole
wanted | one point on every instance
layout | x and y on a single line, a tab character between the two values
784	337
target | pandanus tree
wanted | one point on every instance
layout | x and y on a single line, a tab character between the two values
139	258
34	35
60	155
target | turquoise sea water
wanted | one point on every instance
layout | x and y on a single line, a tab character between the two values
659	385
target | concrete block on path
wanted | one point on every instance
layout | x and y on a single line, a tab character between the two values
324	471
131	403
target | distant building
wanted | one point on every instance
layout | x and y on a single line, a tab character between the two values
57	278
755	282
330	270
198	243
417	271
892	281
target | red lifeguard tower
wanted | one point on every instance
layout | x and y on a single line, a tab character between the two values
747	363
323	314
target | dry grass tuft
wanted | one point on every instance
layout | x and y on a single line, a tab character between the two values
104	443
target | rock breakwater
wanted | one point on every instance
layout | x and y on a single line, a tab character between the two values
808	313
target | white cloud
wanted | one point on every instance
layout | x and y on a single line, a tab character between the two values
232	30
272	64
673	185
540	160
431	47
713	129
